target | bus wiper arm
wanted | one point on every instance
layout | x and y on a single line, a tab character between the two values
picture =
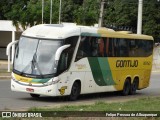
35	64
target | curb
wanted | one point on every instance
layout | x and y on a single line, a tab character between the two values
5	77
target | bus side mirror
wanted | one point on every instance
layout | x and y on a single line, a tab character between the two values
58	54
60	50
8	52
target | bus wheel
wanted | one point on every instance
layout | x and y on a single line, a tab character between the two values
75	92
34	95
126	87
134	87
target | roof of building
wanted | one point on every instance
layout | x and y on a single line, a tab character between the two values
6	25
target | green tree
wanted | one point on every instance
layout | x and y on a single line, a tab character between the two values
5	6
29	12
124	13
121	13
151	18
67	11
16	11
87	13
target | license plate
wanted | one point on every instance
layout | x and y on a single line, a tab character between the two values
29	89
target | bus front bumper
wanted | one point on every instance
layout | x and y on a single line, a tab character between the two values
49	90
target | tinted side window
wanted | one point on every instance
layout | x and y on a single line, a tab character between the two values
102	47
84	48
140	48
149	50
95	49
113	47
133	48
123	47
90	47
118	47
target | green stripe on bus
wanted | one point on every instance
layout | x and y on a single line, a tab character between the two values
41	80
91	34
101	71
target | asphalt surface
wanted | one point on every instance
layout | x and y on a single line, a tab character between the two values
10	100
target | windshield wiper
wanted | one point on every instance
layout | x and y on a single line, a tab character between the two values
35	65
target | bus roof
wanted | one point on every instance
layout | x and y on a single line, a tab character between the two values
123	34
61	31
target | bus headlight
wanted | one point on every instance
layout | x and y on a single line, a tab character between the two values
52	81
13	78
55	80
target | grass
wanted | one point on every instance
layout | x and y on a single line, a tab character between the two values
142	104
139	105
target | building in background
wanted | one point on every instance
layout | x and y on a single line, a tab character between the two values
6	34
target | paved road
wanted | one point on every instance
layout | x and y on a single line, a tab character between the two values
21	101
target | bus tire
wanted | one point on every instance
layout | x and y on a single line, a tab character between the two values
75	91
134	87
126	87
34	95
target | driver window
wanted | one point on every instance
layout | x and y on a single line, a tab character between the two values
67	54
84	49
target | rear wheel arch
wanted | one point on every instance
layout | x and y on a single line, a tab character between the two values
137	79
126	86
129	78
134	86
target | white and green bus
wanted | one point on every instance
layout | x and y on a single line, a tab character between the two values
69	60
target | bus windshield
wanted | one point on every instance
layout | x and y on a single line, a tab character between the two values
35	56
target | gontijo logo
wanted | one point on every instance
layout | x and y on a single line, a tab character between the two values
127	63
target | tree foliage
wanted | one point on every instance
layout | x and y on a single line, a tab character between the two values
117	13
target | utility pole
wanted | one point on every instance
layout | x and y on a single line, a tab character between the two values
84	12
42	9
60	7
51	13
139	22
100	22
